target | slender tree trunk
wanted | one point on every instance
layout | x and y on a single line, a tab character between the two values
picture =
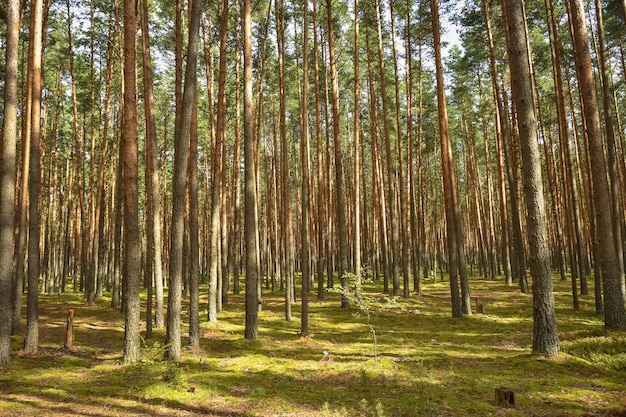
31	342
504	222
339	186
181	159
320	211
216	176
447	168
7	179
545	338
132	240
357	145
614	316
194	242
611	145
250	236
153	196
306	180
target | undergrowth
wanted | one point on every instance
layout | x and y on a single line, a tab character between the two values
383	356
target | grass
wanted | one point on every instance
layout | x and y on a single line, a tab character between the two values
425	363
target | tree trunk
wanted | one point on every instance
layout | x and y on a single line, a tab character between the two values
447	168
181	159
132	240
545	338
31	342
614	316
251	331
153	196
7	179
339	187
306	179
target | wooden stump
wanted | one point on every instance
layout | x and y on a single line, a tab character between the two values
69	329
480	307
505	397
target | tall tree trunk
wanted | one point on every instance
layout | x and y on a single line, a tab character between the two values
181	159
306	180
447	168
7	179
194	242
545	338
320	208
504	222
31	342
393	250
611	151
216	173
286	221
153	196
357	157
250	236
132	240
235	242
339	187
614	316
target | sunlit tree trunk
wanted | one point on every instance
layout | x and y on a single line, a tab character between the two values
614	316
339	187
153	196
250	236
545	338
31	342
504	222
611	148
181	159
447	167
306	179
132	240
7	179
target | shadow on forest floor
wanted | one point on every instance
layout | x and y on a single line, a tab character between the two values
412	359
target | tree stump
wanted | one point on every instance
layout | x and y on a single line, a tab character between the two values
505	397
480	307
69	329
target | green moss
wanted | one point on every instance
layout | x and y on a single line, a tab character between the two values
421	362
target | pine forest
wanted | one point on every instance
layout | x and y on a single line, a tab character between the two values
319	208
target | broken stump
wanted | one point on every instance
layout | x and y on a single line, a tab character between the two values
505	397
69	329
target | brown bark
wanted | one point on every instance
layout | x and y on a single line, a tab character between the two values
35	76
132	241
614	316
306	173
545	338
181	160
447	168
250	202
7	179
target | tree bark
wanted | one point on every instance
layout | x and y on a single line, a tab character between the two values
7	178
251	330
339	187
614	316
545	338
181	160
447	168
132	241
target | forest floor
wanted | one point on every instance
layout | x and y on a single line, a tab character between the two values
409	358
